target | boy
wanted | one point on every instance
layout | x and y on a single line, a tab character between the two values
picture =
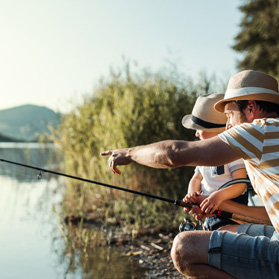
208	123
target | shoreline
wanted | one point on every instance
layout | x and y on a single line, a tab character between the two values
152	251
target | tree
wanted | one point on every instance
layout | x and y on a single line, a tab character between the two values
259	37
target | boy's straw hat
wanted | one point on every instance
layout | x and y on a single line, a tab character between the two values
250	85
204	116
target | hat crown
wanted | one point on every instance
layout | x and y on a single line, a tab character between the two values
250	85
204	116
204	109
250	78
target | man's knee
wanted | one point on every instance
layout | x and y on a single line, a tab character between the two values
190	248
181	251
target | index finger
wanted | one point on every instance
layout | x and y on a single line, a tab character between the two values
106	153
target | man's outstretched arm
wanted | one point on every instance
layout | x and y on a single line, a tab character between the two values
173	154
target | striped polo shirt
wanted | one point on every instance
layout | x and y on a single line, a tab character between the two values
258	144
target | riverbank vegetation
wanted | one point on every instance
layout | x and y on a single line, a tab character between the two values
128	109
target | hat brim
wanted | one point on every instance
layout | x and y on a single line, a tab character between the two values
189	124
272	98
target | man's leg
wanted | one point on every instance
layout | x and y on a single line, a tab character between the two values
190	255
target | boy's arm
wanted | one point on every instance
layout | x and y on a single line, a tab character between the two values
194	188
195	183
210	204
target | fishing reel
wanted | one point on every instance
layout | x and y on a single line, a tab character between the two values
189	225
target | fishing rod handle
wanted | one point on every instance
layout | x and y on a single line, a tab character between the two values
219	213
222	214
182	203
228	215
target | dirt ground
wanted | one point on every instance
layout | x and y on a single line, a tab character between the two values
153	252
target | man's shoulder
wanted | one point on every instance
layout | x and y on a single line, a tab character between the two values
266	121
266	124
258	124
257	129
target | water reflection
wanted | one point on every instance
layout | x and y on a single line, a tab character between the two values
103	262
32	241
35	154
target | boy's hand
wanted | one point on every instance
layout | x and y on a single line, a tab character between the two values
211	203
191	197
198	213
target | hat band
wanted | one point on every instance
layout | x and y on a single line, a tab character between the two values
205	124
231	93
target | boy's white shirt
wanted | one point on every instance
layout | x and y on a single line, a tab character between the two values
211	181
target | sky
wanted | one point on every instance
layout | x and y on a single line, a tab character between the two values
52	53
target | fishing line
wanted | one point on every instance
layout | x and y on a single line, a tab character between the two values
222	214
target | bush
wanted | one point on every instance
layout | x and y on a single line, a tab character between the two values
128	110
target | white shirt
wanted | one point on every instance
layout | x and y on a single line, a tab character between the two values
215	177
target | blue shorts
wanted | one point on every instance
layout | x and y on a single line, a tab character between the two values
251	252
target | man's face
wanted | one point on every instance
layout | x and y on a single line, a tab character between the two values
234	115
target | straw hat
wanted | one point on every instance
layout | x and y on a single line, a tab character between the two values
250	85
204	117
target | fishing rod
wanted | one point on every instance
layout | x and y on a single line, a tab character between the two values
180	203
40	170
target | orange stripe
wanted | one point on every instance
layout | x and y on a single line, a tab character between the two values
276	226
243	142
274	123
248	145
271	135
270	149
239	152
253	132
271	213
272	190
269	163
273	209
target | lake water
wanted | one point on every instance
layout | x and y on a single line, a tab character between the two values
31	239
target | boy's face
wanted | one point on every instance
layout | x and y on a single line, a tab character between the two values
202	134
234	115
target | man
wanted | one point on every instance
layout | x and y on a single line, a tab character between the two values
251	105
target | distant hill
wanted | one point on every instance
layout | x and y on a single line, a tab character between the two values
7	139
27	122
